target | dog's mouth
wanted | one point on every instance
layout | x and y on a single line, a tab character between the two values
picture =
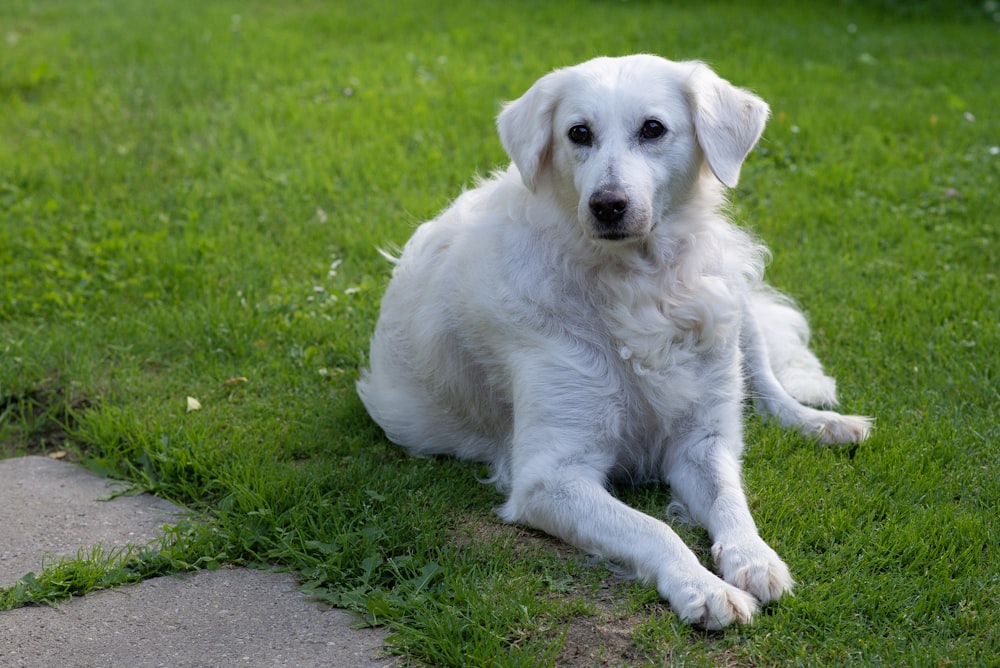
618	235
614	235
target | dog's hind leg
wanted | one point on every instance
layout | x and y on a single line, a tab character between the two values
785	334
771	396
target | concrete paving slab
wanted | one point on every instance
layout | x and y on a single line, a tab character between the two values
224	618
230	617
50	509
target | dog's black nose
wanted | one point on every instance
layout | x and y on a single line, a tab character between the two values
608	206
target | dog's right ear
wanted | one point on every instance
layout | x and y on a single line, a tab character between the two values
525	127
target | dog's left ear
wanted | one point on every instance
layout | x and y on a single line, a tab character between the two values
525	127
727	120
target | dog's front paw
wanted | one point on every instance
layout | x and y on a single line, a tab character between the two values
754	568
710	603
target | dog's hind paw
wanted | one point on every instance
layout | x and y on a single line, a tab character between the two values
809	386
845	428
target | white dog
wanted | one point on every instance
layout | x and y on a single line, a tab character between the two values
589	314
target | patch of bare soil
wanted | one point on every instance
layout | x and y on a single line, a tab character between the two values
524	543
600	641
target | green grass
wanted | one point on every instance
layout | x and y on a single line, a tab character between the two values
191	194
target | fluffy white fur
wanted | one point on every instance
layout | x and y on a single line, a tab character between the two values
589	314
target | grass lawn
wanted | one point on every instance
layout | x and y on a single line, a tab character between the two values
191	194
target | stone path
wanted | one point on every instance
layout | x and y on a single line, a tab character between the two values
229	617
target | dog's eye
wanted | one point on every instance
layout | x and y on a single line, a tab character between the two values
580	134
652	129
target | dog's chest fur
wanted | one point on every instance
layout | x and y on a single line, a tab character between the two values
664	334
670	334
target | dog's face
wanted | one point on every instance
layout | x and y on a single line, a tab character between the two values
622	148
622	140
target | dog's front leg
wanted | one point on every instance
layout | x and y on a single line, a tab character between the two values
560	489
704	476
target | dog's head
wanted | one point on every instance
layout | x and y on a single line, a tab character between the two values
623	140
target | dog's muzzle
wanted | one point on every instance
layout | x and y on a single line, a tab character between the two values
609	206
